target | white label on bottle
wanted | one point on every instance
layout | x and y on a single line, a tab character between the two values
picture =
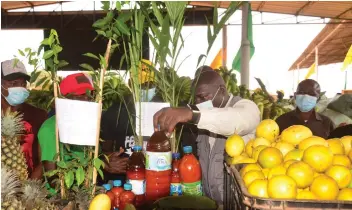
158	161
138	186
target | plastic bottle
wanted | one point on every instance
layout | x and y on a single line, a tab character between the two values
127	196
108	192
117	190
158	167
175	187
136	174
191	173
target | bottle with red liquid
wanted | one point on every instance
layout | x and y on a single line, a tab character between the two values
190	172
136	174
117	190
127	196
108	192
175	187
158	167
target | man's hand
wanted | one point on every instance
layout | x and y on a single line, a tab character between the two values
167	118
117	164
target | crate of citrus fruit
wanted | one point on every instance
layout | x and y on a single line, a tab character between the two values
294	170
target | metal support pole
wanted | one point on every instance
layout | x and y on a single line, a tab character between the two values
224	45
317	62
245	46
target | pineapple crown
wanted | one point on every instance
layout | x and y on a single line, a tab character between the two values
34	189
11	124
10	183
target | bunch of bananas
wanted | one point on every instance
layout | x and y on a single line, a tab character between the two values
230	80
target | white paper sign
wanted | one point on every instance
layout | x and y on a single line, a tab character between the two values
77	121
147	114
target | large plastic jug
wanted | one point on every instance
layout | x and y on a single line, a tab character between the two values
136	174
158	166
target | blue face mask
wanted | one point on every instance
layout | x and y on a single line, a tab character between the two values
209	103
306	103
147	95
17	95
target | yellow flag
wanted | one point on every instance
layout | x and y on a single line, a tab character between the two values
217	62
348	60
311	71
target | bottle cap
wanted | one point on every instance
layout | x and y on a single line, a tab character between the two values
107	186
137	148
117	183
176	155
187	149
127	186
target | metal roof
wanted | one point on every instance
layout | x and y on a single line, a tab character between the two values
9	5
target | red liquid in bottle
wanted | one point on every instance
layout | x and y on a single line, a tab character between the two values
108	192
136	174
127	197
175	187
158	167
117	191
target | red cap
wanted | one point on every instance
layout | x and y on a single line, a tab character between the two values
76	84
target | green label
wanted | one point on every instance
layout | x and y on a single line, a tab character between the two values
194	188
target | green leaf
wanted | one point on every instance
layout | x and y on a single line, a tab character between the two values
51	173
109	34
118	6
21	52
57	49
102	61
200	58
40	48
91	55
45	83
100	32
48	54
45	42
106	5
116	31
69	178
215	14
27	49
123	17
98	163
122	27
157	13
109	17
100	23
101	174
62	63
62	164
80	175
86	66
41	81
34	76
175	9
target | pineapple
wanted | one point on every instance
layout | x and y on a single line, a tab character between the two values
10	188
11	153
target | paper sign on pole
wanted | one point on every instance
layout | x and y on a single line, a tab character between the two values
146	116
77	121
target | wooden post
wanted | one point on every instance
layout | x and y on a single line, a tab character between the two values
316	62
224	45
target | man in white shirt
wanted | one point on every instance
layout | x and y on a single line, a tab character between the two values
219	115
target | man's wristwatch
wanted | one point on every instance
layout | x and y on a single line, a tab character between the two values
195	114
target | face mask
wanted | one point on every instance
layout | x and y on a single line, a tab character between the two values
209	103
147	95
17	95
306	103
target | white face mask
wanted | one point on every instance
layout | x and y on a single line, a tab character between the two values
209	103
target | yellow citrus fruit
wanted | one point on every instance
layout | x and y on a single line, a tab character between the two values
295	154
270	157
318	157
282	187
302	173
284	147
249	148
268	129
289	162
314	140
244	154
250	167
347	143
295	134
345	195
259	188
350	185
250	176
100	202
341	160
240	160
261	141
256	151
316	174
350	155
336	146
340	174
277	170
306	195
324	187
234	145
266	172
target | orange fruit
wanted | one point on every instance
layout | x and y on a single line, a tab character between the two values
295	154
256	151
325	187
250	167
306	195
282	187
341	160
259	188
318	157
336	146
268	129
261	141
284	147
289	162
347	143
250	176
345	195
270	157
249	148
295	134
340	174
314	140
277	170
234	145
302	173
